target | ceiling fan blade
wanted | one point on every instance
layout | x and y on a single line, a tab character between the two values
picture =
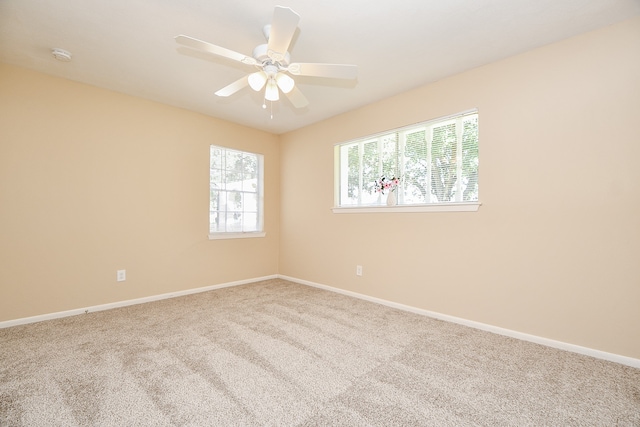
233	87
335	71
283	26
297	98
216	50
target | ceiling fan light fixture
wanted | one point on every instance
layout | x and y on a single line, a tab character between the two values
273	62
271	92
257	80
285	83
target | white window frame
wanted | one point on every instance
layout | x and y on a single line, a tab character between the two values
221	187
340	178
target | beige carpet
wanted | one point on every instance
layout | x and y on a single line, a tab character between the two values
276	353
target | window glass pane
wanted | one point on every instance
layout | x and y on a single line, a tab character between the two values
234	169
250	221
350	174
216	178
415	168
443	163
354	172
233	180
234	223
250	178
250	202
250	185
437	162
235	199
389	156
214	223
214	200
250	162
250	169
370	171
470	158
216	158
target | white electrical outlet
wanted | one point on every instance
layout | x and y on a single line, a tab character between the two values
358	270
121	275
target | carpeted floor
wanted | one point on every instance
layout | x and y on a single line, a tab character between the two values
276	353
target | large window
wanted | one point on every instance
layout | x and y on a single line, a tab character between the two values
236	187
436	163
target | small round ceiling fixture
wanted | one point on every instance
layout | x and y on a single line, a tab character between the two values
61	54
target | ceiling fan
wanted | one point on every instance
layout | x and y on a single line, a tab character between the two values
273	62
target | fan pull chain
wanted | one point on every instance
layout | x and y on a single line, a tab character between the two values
264	107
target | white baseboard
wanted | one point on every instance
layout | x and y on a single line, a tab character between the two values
109	306
624	360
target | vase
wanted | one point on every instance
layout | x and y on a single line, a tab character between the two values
391	198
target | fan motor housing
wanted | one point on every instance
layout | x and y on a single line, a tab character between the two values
261	54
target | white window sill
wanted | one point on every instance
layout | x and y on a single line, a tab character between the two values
439	207
220	236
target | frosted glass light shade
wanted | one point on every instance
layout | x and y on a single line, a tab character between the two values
257	80
271	93
285	83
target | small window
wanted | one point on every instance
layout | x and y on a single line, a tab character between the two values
430	163
236	194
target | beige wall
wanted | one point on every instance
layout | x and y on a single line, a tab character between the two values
92	181
553	251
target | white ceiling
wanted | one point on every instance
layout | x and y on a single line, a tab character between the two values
128	45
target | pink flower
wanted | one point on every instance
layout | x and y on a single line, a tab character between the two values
386	184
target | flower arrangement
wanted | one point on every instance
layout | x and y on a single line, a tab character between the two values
385	183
